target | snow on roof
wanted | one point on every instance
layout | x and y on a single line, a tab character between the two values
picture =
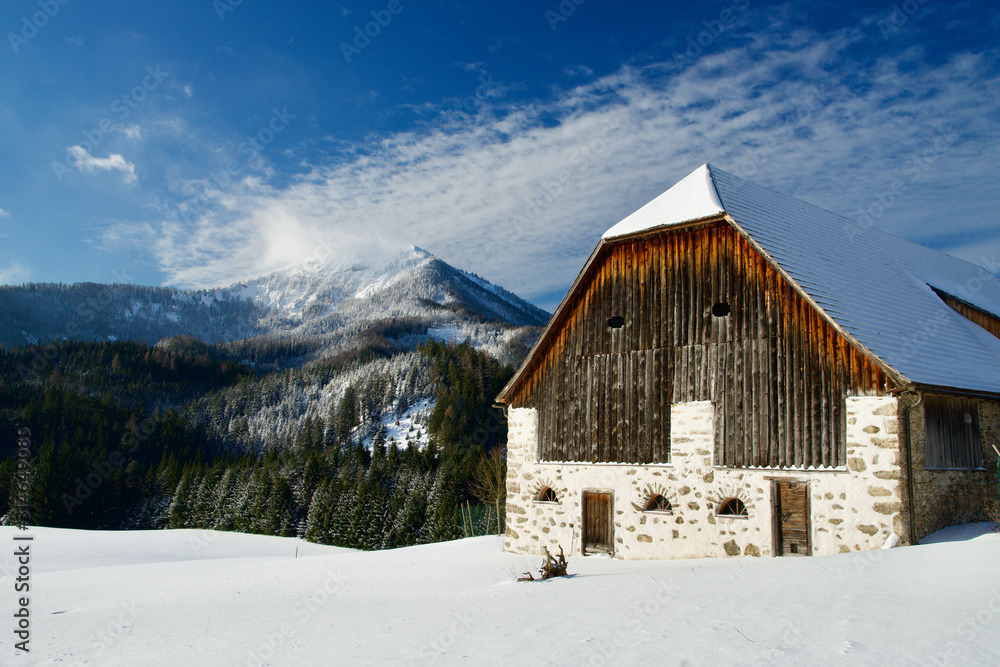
877	287
692	198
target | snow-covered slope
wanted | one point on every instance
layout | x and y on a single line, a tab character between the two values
197	597
408	290
317	297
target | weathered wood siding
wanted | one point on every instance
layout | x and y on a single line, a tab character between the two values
777	372
980	317
598	522
791	518
953	438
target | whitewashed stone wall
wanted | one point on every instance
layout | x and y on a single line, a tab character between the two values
853	508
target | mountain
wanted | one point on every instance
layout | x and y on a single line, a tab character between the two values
407	295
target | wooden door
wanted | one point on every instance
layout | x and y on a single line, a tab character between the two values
791	518
598	522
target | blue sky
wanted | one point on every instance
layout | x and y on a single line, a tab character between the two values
197	143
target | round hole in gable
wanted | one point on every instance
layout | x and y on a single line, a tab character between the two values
721	309
616	322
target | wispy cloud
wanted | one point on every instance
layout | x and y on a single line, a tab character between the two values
578	70
132	131
522	194
14	273
84	161
4	214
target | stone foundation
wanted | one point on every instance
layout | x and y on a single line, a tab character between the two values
945	498
853	508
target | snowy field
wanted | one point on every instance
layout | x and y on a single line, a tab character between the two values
189	597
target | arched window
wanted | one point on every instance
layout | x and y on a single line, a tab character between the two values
732	507
547	495
658	503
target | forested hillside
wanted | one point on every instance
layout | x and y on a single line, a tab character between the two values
371	448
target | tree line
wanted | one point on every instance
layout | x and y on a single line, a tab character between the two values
119	442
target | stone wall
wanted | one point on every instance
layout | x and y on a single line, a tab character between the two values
852	508
944	498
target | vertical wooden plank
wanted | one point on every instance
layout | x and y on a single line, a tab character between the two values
677	324
816	386
794	386
788	435
587	437
825	403
653	407
629	359
596	403
691	305
641	408
616	440
601	395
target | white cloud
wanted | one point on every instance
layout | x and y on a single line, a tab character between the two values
4	214
188	90
123	234
578	70
14	274
523	201
84	161
132	131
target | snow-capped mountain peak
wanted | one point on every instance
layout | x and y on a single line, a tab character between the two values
333	297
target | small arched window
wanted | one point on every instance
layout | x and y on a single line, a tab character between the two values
732	507
658	503
547	495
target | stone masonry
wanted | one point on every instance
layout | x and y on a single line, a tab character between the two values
853	508
944	498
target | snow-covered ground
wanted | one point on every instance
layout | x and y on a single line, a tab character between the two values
410	428
201	598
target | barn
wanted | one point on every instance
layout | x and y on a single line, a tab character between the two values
738	372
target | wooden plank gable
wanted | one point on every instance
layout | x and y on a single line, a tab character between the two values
703	317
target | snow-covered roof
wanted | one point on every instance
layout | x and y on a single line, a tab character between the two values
875	286
692	198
